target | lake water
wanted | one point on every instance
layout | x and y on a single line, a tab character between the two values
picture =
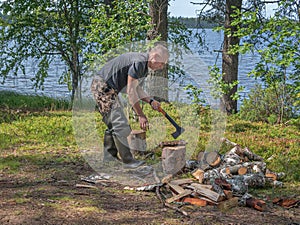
195	65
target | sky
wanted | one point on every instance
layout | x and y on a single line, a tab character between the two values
184	8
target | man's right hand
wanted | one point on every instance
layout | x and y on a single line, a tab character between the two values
143	122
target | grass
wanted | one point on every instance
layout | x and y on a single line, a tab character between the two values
39	131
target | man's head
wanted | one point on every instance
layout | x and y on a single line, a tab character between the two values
158	57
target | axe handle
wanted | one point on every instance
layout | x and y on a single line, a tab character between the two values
168	117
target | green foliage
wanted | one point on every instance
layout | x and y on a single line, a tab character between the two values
117	25
270	104
276	41
219	87
55	30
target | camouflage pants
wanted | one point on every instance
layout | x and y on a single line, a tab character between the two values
105	96
110	108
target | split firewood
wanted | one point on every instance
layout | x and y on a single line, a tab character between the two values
196	185
167	179
182	181
179	196
214	196
176	188
199	175
271	176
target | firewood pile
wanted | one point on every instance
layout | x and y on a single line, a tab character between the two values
221	180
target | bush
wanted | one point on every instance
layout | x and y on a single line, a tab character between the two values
271	104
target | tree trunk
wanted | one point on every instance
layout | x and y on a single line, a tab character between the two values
230	61
157	84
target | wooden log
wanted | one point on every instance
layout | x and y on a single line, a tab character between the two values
173	159
255	180
137	141
231	158
250	155
212	158
233	170
195	201
242	171
200	156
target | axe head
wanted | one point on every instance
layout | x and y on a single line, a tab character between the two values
178	132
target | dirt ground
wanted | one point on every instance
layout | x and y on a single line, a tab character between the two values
50	196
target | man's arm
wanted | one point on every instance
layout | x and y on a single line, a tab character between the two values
133	95
133	98
146	98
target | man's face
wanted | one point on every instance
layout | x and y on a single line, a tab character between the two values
157	61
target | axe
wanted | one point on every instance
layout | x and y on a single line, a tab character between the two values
179	130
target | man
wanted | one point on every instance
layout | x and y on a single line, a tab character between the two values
123	74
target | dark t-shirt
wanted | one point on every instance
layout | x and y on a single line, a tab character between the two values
116	71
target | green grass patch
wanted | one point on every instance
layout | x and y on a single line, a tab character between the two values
46	137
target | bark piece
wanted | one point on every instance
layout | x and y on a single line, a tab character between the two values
287	202
195	201
257	204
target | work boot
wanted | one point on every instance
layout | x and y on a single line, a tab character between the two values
110	152
122	145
